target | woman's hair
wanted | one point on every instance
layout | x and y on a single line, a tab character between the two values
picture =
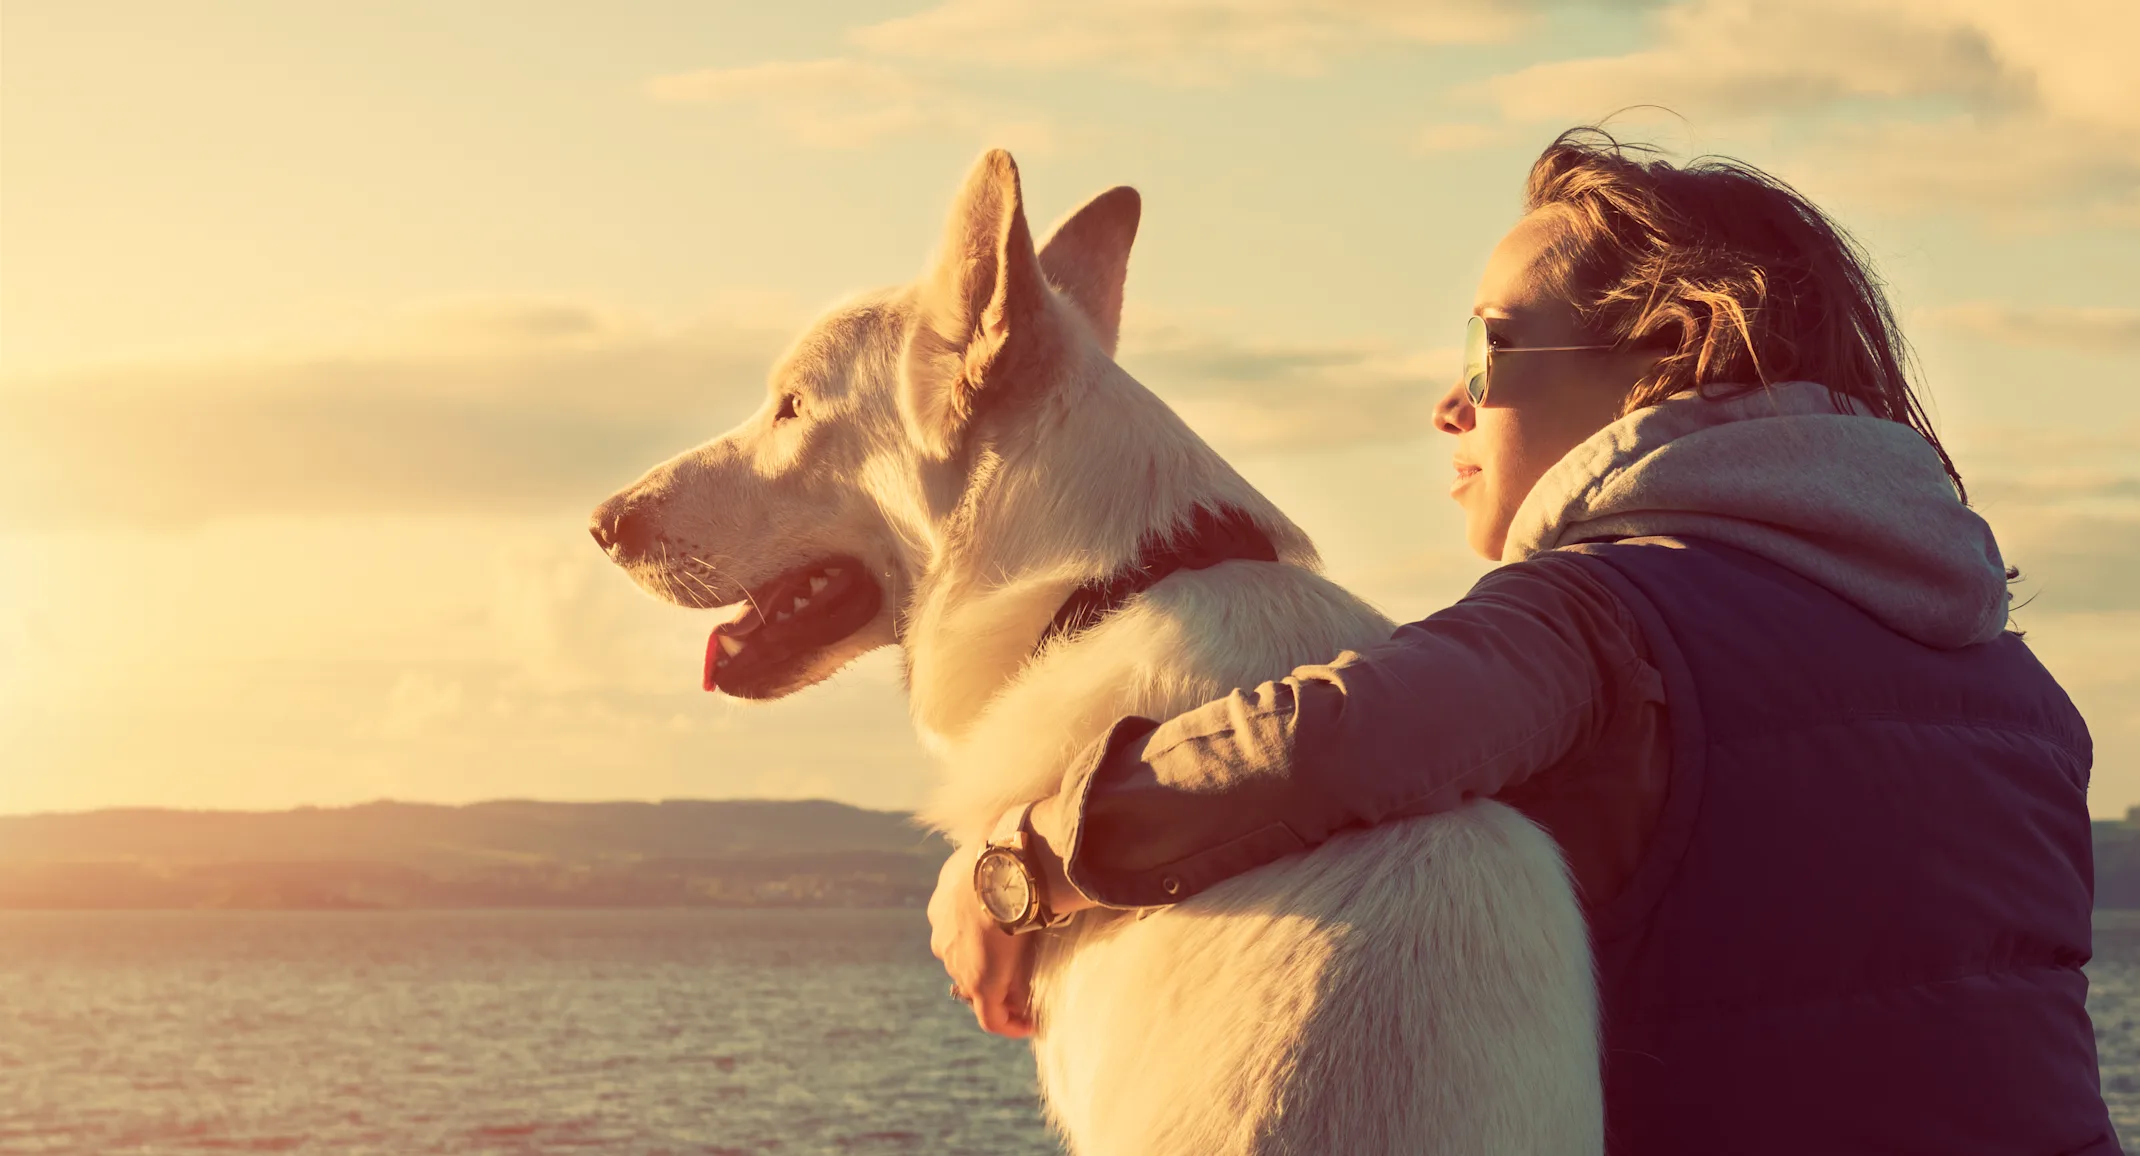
1730	273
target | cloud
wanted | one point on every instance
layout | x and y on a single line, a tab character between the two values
508	408
905	78
419	699
2092	657
490	409
2096	330
1974	104
278	661
2025	168
842	103
1247	396
1458	137
2071	563
2066	507
1184	41
1731	58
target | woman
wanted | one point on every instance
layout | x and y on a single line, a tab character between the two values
1747	662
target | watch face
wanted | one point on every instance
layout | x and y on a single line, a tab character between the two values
1000	880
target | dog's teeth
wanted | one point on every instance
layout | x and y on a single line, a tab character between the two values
730	645
817	585
799	604
783	616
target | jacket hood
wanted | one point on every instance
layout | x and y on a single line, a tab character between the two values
1857	503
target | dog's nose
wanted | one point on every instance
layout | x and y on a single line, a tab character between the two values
622	526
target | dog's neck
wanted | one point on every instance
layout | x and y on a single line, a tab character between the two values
1071	494
1212	537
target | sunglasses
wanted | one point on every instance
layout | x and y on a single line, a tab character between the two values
1479	357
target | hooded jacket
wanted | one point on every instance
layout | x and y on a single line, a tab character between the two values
1795	475
1544	692
1746	660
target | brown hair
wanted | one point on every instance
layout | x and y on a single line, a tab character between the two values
1727	271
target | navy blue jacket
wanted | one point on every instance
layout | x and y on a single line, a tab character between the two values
1861	923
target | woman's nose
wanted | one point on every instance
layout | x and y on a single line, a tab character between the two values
1453	413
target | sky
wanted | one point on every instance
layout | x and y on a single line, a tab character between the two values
324	327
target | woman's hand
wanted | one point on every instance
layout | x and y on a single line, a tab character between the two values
991	968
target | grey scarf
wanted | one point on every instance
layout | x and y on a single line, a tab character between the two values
1854	502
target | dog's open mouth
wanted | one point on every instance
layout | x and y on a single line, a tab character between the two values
787	620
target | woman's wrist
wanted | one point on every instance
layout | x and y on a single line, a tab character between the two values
1063	896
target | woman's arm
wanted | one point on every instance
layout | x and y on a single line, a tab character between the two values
1469	702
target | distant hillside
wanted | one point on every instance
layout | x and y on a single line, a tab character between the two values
2117	861
742	853
499	854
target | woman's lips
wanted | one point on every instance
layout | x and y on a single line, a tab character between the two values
1465	472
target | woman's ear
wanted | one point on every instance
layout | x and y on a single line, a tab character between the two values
983	309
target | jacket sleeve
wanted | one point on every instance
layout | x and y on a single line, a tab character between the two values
1466	703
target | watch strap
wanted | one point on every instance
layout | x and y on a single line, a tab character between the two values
1011	828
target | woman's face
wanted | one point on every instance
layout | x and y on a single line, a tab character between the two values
1538	405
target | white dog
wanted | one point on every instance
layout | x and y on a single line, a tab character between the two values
940	467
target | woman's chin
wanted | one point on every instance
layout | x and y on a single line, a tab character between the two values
1476	537
1483	532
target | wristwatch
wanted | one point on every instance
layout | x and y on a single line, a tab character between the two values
1011	889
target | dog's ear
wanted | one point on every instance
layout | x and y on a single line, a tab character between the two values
1086	256
983	308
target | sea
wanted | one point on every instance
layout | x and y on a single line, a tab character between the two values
694	1031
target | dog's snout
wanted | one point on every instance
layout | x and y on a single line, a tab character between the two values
622	527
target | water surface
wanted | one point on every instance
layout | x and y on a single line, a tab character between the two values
544	1032
672	1031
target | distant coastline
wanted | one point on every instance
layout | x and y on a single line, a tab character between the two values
516	853
2117	861
388	855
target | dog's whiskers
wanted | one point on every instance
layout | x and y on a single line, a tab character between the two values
667	570
712	569
713	597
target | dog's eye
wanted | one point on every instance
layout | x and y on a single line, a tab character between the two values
790	405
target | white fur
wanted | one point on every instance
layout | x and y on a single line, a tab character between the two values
1423	986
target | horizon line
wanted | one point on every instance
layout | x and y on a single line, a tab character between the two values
386	801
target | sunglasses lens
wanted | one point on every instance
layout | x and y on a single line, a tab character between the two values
1475	360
